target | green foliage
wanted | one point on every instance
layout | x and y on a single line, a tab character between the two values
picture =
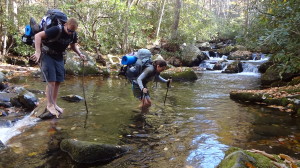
277	28
21	48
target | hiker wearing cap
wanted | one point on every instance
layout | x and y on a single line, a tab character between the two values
150	73
51	56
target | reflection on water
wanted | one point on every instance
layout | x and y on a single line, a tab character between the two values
208	153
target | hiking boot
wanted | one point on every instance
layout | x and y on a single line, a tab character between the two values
34	26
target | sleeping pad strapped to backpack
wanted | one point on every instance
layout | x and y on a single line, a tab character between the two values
132	69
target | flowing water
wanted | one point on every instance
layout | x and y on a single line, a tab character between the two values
207	123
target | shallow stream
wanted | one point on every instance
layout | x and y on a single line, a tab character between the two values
207	123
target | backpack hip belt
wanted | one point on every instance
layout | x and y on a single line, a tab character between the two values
49	51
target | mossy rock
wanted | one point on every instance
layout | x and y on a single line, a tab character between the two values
180	74
238	158
245	96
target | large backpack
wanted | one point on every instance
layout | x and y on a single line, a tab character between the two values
132	69
53	17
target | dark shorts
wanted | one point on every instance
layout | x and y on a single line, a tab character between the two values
137	92
52	69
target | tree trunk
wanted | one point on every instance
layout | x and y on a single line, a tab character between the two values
246	17
5	32
15	12
160	18
176	20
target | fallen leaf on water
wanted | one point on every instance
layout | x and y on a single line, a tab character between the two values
249	165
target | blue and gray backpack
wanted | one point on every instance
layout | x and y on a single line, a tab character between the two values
134	64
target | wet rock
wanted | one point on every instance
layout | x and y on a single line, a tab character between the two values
6	123
26	98
180	74
235	67
2	77
3	85
5	97
218	66
2	146
91	152
72	98
5	104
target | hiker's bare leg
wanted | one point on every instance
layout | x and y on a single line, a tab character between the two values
55	94
49	96
145	104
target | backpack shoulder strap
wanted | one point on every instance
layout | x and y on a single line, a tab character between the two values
58	35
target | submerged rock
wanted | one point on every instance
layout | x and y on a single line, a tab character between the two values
72	98
91	152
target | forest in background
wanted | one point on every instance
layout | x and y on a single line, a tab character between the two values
120	26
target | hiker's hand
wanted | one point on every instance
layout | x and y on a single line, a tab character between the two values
82	56
169	82
36	57
145	90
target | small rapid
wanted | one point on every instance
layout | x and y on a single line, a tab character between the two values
6	133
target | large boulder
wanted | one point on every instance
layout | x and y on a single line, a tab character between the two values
192	56
18	96
74	65
91	152
235	67
242	55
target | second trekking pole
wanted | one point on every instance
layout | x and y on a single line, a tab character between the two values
168	85
83	90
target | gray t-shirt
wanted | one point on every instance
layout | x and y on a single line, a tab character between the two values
147	75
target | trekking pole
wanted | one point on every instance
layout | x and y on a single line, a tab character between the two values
168	85
83	90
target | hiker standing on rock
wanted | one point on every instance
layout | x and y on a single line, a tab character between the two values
149	73
51	56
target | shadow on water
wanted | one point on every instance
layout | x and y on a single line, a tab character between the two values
205	122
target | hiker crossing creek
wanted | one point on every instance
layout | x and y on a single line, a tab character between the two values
195	127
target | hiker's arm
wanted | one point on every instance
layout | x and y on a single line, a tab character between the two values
161	79
75	48
38	43
143	76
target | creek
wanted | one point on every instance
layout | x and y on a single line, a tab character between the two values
207	123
